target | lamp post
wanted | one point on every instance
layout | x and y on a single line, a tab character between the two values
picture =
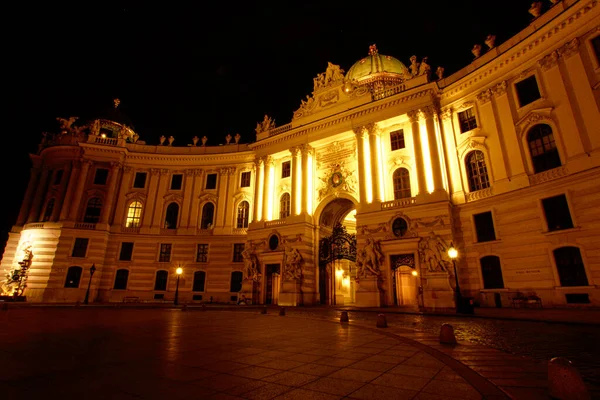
453	253
87	292
178	271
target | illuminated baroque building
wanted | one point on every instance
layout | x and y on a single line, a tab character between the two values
356	201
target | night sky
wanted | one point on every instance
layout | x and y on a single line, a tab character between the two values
186	70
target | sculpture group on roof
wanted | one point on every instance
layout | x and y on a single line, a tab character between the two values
266	125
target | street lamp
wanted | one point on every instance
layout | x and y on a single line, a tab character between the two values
453	253
87	292
178	271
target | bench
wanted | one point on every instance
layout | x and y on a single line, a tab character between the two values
131	299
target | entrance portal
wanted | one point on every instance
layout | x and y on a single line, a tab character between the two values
272	283
405	280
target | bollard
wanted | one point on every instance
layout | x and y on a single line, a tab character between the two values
282	311
447	334
344	316
264	310
381	321
564	381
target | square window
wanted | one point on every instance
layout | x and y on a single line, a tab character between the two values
484	227
238	249
245	181
527	91
165	252
557	213
202	253
80	247
286	169
58	177
101	176
126	251
140	180
176	181
397	140
211	181
467	120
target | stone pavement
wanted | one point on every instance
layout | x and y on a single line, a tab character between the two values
103	352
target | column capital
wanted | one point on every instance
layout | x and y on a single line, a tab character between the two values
428	112
447	113
294	150
500	89
115	164
413	116
127	169
372	128
155	171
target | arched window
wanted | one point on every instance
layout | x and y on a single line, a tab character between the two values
199	281
73	277
284	206
208	213
134	215
242	214
569	264
477	171
161	280
399	227
236	281
49	210
401	180
93	210
172	216
491	272
542	147
121	279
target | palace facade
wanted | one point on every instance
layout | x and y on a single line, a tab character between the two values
358	200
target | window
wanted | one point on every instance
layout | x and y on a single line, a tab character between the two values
161	280
273	242
211	181
121	279
139	181
49	210
399	227
101	176
58	177
286	169
176	181
199	280
126	251
527	91
467	120
208	212
477	171
557	213
238	249
491	272
73	277
236	281
93	210
202	253
484	226
542	147
401	179
397	140
245	181
134	215
596	46
284	206
80	247
171	216
242	214
165	252
569	264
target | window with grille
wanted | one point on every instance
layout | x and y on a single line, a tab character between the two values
477	171
126	251
80	247
286	169
245	179
401	180
134	215
242	214
284	206
542	147
165	252
93	210
397	140
467	120
202	252
238	249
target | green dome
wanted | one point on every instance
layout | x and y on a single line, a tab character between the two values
375	64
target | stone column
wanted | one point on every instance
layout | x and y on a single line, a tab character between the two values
268	164
29	193
110	197
374	158
413	117
362	173
34	212
157	218
305	178
64	187
434	153
66	201
122	196
295	193
85	167
258	179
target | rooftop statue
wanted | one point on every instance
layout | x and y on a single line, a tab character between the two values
266	125
333	73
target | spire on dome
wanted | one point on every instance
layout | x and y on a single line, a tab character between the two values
373	50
